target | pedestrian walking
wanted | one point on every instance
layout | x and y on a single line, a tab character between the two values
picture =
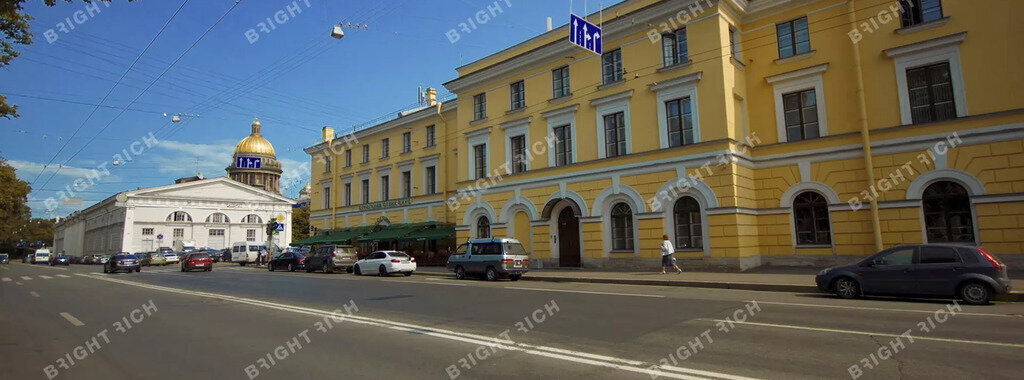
666	255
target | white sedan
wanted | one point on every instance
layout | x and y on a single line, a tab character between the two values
172	258
385	263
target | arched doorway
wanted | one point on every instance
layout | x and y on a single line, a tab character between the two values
568	238
948	217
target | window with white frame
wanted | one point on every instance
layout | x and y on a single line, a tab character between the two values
734	42
930	89
615	134
622	227
611	66
407	142
326	197
348	158
476	147
366	153
385	187
612	124
480	161
365	191
348	193
250	235
516	137
560	82
429	136
929	79
179	216
793	37
430	173
518	151
385	148
563	145
480	106
800	109
179	233
679	117
673	48
800	104
517	92
252	219
406	184
147	231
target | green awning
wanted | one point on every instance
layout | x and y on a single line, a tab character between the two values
391	233
429	234
344	237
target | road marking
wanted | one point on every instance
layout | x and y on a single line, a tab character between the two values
7	279
45	277
636	366
72	319
26	278
63	275
34	294
586	292
853	332
883	309
17	282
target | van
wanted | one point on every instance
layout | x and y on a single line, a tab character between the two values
184	246
245	252
492	258
42	256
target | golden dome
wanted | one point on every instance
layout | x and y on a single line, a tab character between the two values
254	143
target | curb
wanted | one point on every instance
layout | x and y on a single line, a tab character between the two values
792	288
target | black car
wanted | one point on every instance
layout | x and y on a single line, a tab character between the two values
122	261
930	270
60	260
4	258
290	260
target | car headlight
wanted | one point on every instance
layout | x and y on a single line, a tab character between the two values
824	271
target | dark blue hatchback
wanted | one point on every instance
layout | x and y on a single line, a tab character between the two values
929	270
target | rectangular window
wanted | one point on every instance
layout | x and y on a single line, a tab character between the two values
915	12
366	191
517	92
734	43
938	255
385	148
431	186
931	93
348	194
327	198
679	118
793	37
615	134
406	184
611	66
518	145
801	113
407	142
560	82
179	233
429	138
385	187
327	163
563	145
673	48
250	235
147	231
217	232
366	153
480	160
479	106
348	158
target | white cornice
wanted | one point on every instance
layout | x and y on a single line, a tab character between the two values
611	98
935	43
678	81
478	132
807	71
516	122
558	112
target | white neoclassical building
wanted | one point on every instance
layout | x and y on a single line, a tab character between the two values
213	213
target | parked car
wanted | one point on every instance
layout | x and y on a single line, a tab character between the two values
196	260
172	257
225	255
74	259
42	256
214	254
492	258
157	258
4	258
144	259
329	258
121	261
27	259
289	260
930	270
59	260
385	263
245	252
88	259
102	259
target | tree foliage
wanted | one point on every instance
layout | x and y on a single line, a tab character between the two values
14	211
300	222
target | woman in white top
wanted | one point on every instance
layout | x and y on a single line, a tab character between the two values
666	255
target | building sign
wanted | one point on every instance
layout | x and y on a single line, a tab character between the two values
248	162
385	204
584	34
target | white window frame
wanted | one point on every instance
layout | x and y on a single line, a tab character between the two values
424	164
325	199
381	172
557	118
475	138
512	129
609	105
365	195
672	89
347	180
938	50
800	80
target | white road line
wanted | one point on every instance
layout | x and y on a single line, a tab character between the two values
26	278
853	332
549	352
7	279
17	282
63	275
884	309
72	319
34	294
45	277
586	292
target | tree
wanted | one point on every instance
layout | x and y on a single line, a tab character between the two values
300	222
14	211
14	29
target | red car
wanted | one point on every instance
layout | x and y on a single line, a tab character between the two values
196	260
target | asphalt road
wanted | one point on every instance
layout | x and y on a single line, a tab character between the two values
240	323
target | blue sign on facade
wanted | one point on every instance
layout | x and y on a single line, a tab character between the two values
280	227
248	162
584	34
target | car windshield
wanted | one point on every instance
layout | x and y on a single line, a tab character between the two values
400	255
253	248
199	256
169	254
104	256
515	249
124	257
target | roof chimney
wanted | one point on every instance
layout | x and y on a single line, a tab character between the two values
431	97
327	134
549	24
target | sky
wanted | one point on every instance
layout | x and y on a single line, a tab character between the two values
288	72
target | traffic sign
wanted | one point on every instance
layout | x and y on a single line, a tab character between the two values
584	34
248	162
280	227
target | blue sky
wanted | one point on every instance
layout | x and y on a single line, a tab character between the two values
295	78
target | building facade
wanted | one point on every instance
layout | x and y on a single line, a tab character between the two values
255	163
749	132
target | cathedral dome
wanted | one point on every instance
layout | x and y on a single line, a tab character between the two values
254	143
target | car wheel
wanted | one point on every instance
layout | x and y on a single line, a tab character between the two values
309	268
291	267
515	277
356	271
407	274
270	267
460	274
847	288
182	268
491	274
348	270
105	270
327	268
975	293
382	271
242	263
137	270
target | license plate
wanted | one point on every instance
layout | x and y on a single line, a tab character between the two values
405	261
519	263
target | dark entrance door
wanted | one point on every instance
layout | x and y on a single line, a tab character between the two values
568	238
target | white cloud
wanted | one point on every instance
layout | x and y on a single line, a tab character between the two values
33	168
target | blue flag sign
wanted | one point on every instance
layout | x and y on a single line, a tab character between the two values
280	227
584	34
248	162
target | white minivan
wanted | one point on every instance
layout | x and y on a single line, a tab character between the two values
42	256
244	252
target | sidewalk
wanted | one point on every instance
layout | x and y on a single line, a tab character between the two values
777	279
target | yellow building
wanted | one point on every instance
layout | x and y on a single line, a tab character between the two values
749	132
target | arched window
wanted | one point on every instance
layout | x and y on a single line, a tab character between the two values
179	216
622	227
810	213
217	217
252	218
483	228
947	213
686	215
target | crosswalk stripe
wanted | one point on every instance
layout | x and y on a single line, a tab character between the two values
63	275
45	277
26	278
7	279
